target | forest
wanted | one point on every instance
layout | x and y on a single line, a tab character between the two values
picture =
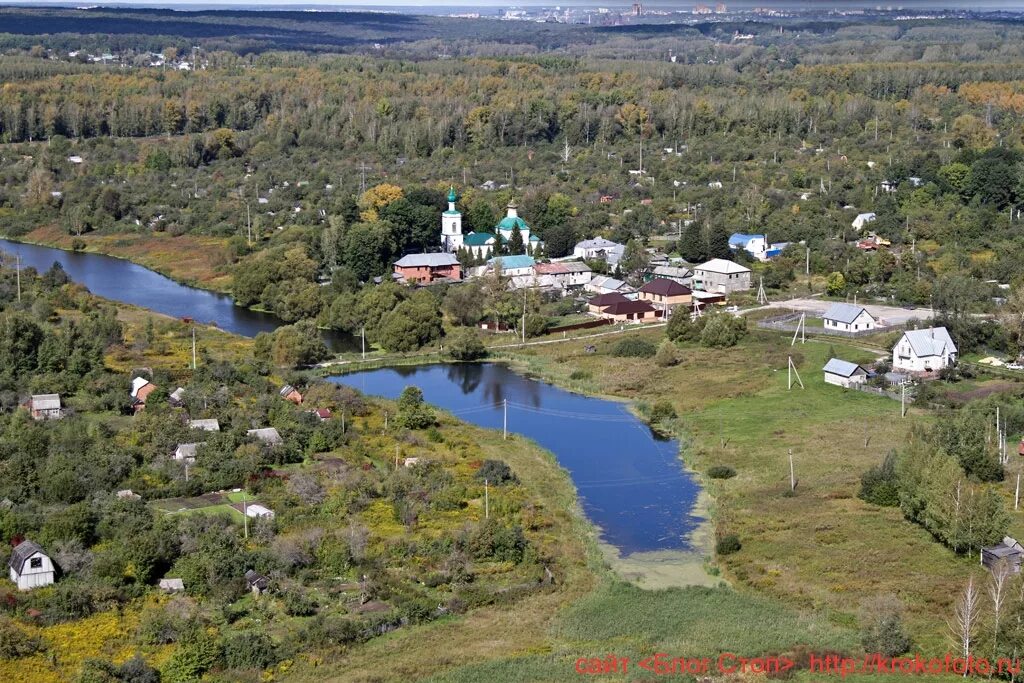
300	154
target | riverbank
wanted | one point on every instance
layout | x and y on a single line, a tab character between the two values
818	547
196	261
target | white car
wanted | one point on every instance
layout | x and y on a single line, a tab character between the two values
1015	366
732	309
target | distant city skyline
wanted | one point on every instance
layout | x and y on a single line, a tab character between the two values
433	7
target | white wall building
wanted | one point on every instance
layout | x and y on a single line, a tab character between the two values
848	318
924	350
721	277
30	567
844	374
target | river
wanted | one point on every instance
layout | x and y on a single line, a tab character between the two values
631	482
120	280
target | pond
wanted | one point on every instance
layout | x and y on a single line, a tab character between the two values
632	484
130	283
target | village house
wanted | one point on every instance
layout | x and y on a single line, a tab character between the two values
141	389
291	394
601	301
172	585
861	220
844	374
569	274
45	407
602	284
1008	550
186	452
322	414
848	318
630	311
683	276
268	435
427	268
30	567
721	277
210	425
599	249
664	293
177	397
927	350
257	583
257	511
512	266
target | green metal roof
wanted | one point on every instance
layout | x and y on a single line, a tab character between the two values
451	194
510	223
478	239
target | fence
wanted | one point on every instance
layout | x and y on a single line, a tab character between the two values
888	393
791	322
580	326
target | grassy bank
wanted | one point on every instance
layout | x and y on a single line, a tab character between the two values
820	547
195	260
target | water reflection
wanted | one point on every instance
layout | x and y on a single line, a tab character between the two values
127	282
631	482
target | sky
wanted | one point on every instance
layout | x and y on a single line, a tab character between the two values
426	7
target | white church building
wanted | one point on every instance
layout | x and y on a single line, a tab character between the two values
484	244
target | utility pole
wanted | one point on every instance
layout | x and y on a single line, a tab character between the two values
17	273
385	420
504	422
245	514
807	267
793	371
487	500
903	399
193	347
1016	493
248	225
364	342
792	472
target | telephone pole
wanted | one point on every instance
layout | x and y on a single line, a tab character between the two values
487	500
792	472
17	273
193	347
245	514
504	422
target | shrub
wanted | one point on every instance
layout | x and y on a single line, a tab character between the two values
496	472
580	375
16	642
495	541
667	355
297	604
464	344
413	413
879	485
634	347
721	472
250	650
884	634
728	544
722	330
662	411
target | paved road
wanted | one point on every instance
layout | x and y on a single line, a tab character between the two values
886	315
